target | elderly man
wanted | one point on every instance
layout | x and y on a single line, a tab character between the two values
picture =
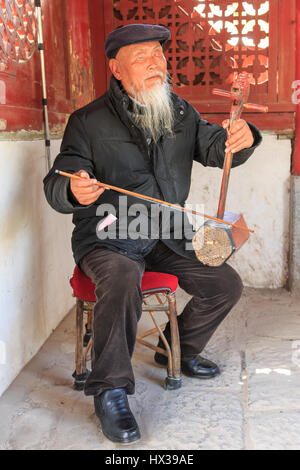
142	137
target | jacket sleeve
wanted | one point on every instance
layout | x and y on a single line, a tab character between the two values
210	144
75	154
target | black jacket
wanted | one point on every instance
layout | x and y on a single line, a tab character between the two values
102	139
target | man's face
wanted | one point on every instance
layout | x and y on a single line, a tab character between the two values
140	66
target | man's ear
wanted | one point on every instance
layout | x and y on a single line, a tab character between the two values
115	68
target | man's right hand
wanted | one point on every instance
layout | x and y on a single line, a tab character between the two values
85	190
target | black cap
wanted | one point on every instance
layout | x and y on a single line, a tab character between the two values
133	34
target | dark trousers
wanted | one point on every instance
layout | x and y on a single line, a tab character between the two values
119	307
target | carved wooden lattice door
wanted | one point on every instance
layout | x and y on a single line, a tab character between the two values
212	41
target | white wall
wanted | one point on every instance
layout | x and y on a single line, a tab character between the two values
35	249
35	257
260	190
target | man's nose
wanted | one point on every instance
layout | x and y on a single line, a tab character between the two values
152	63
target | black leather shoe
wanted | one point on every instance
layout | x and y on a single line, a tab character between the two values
117	421
199	367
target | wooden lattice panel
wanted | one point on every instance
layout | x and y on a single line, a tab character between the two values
18	31
211	40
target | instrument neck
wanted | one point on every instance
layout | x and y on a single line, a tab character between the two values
224	185
226	170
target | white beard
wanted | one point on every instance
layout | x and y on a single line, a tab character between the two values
154	110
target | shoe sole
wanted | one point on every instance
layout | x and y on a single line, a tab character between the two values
202	377
122	442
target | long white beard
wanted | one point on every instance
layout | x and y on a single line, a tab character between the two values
157	113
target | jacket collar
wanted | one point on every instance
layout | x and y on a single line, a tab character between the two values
119	101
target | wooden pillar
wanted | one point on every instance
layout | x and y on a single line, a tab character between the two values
296	156
294	258
97	27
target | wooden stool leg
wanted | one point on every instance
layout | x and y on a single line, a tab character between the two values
80	375
174	381
88	328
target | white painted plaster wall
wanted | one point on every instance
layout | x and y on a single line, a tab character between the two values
35	250
260	190
35	258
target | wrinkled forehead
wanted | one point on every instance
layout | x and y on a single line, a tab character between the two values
132	49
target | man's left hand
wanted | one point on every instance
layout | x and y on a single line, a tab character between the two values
240	136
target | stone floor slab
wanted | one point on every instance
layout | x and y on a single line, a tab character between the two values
275	430
254	404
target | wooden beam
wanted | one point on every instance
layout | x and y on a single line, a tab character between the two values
277	123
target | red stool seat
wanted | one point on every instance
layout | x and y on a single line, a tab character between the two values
152	282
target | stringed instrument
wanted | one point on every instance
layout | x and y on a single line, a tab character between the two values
215	242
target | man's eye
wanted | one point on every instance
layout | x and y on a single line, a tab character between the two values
140	57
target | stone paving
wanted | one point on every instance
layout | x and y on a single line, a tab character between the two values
254	404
